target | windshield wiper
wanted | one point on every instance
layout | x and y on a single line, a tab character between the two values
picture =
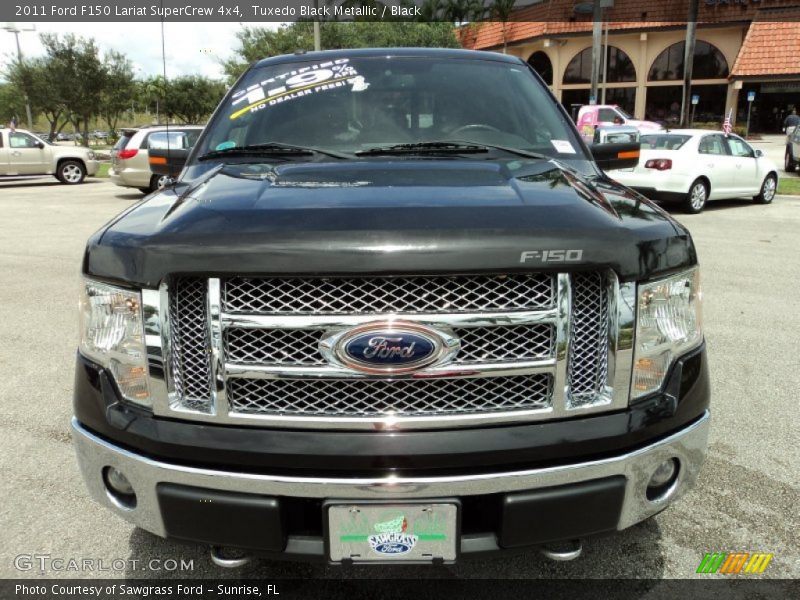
449	146
424	148
271	149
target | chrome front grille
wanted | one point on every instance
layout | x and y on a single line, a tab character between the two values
374	295
301	346
587	369
399	398
273	346
532	346
190	344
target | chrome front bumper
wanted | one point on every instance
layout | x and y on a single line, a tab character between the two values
687	445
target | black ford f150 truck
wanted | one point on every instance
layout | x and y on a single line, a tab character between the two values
392	310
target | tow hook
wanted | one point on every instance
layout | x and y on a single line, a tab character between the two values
220	560
563	551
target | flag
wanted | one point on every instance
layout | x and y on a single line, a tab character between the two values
12	124
726	125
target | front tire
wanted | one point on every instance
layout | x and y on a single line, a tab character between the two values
789	162
71	172
768	189
697	197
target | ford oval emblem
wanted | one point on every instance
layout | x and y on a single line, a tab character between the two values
391	347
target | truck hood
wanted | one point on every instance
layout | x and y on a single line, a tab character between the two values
396	216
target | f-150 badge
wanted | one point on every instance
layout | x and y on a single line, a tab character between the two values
551	256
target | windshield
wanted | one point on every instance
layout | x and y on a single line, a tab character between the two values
357	104
663	141
622	112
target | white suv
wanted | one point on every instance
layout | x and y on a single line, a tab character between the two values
130	165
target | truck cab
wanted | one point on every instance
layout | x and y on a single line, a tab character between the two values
591	116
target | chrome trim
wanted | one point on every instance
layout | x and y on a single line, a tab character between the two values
453	320
154	346
564	307
447	371
689	446
624	342
219	401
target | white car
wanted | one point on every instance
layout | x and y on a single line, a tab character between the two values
693	166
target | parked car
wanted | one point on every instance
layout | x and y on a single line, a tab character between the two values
591	116
374	321
99	134
792	157
693	166
23	153
130	166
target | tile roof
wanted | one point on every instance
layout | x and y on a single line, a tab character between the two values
772	45
557	17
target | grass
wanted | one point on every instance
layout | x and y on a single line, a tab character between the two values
103	170
789	185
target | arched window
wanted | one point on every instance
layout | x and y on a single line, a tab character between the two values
620	67
542	65
709	63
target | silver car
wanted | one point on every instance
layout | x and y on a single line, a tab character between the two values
130	164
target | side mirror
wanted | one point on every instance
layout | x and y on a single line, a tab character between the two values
623	155
759	153
38	144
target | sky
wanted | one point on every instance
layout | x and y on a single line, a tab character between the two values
191	48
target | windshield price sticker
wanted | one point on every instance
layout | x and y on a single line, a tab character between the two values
296	84
563	146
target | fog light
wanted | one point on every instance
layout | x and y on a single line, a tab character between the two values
662	479
119	488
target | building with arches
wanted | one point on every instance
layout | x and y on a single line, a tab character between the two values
742	46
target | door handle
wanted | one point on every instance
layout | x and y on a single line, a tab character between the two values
16	153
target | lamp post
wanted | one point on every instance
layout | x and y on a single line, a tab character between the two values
16	30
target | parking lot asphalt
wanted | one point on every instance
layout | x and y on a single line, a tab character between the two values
746	498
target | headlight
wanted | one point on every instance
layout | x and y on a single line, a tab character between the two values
669	323
112	334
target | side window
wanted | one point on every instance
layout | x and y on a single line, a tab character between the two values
160	140
740	148
712	144
607	115
20	140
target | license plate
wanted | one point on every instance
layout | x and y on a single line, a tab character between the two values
392	532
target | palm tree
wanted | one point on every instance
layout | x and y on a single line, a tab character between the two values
501	10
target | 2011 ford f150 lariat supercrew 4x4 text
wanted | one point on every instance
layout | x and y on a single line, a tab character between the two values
392	310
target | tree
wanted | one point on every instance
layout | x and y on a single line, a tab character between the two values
78	76
257	43
501	10
37	78
118	88
12	103
154	91
191	99
463	11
